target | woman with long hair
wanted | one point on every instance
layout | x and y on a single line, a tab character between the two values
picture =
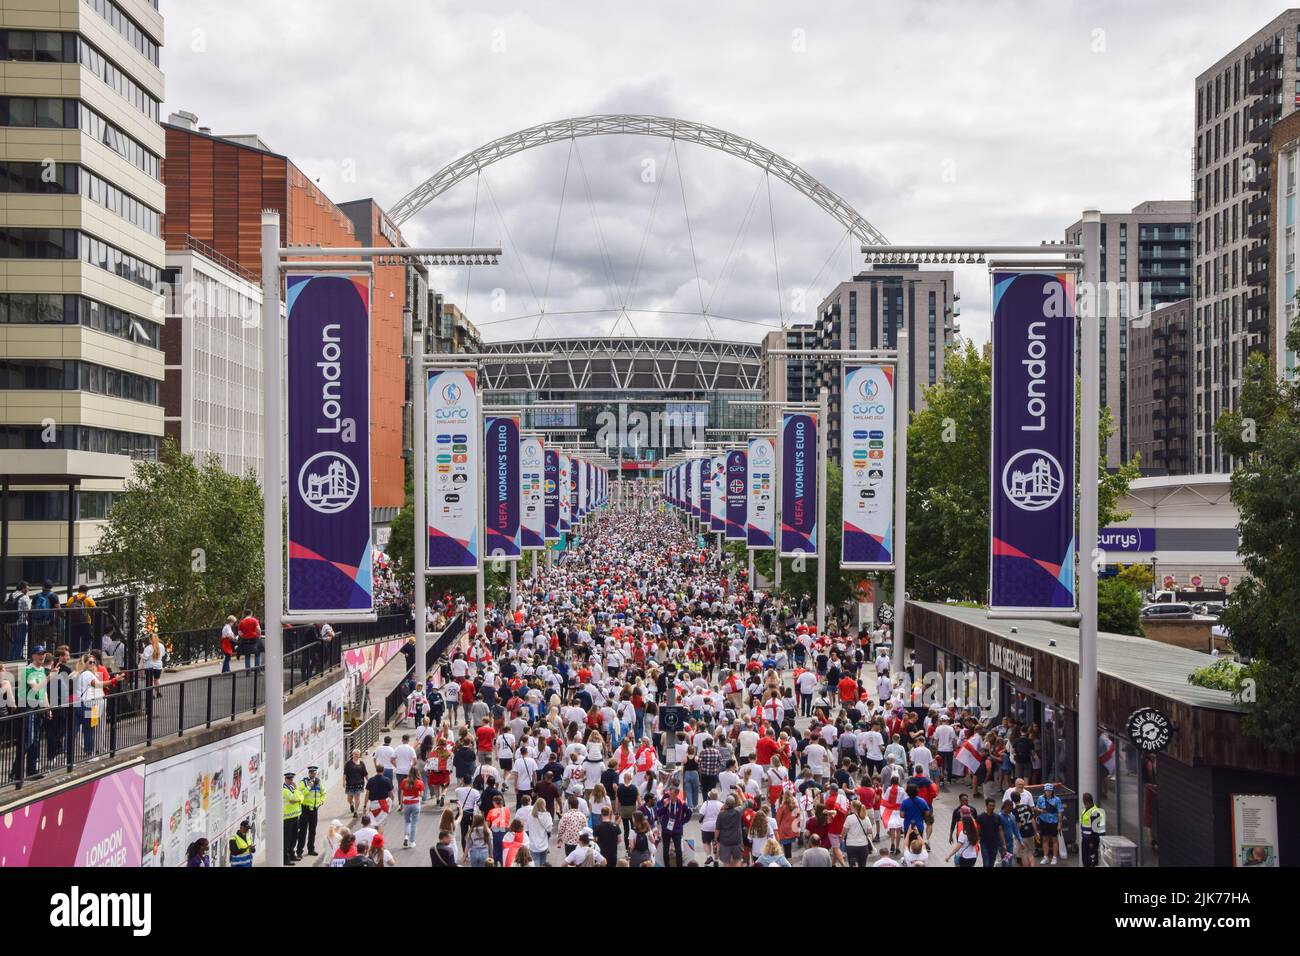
595	762
641	848
197	853
479	841
88	692
412	793
152	656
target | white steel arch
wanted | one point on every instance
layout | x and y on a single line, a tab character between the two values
637	125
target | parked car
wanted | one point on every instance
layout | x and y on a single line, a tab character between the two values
1171	611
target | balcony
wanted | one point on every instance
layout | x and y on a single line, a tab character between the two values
1262	156
1263	59
1257	252
1264	83
1158	453
1157	432
1261	133
1258	277
1259	346
1176	391
1259	206
1268	106
1257	324
1257	301
1259	228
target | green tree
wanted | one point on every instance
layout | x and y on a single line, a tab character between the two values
1263	617
186	537
948	456
1119	607
1139	575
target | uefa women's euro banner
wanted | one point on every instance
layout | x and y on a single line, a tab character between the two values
454	467
1032	482
737	494
328	413
532	517
96	824
761	517
501	453
798	485
867	465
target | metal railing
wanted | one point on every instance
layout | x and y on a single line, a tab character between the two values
38	741
395	701
80	628
364	735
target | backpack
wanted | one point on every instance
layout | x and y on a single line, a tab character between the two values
44	602
11	602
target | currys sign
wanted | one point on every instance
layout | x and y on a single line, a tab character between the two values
1031	563
328	414
1127	540
798	485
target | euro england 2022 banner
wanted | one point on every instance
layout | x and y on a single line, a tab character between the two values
501	452
867	449
737	496
1031	565
532	519
566	494
718	494
760	521
551	493
328	414
798	485
455	464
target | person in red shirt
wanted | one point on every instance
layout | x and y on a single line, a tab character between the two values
848	690
765	749
486	737
250	639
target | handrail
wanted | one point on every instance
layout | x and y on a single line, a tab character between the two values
395	701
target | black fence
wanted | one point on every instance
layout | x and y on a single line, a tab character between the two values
195	647
42	740
80	628
395	702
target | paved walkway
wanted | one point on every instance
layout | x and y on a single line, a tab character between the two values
335	811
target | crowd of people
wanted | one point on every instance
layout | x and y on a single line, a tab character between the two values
643	706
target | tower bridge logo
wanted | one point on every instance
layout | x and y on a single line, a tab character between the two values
1032	480
328	482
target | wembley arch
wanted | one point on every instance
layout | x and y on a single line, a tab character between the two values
629	124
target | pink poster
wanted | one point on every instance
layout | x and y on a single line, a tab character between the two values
367	660
95	824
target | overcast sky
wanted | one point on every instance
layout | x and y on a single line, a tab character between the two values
939	122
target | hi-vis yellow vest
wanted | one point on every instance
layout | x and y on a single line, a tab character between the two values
292	802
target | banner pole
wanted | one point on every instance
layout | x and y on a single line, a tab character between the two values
419	480
1089	459
902	403
823	440
272	544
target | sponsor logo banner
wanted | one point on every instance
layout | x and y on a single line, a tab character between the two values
867	463
453	504
532	480
761	515
551	494
737	494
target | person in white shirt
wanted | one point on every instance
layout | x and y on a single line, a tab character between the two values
403	757
921	758
816	755
384	759
586	853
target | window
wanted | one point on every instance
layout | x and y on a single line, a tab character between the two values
38	46
123	264
117	18
81	437
24	308
117	80
100	129
38	111
121	203
38	177
23	242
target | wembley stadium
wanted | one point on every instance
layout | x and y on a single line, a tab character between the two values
619	376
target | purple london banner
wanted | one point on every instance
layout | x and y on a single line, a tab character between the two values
501	454
551	494
328	412
1032	482
737	495
798	485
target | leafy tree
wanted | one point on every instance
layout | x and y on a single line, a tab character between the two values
1263	617
1223	674
948	456
1139	575
1119	607
186	537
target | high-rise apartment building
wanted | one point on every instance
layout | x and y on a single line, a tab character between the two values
869	310
1159	389
787	378
1143	260
81	202
1239	100
1282	300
